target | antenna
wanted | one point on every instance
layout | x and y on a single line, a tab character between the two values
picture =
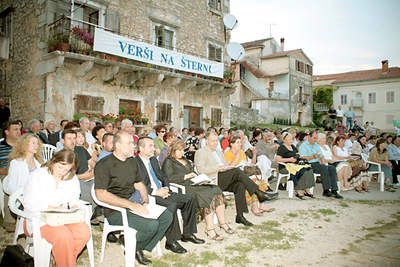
235	51
230	21
270	28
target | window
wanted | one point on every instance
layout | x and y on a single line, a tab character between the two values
214	52
343	99
164	112
309	69
87	14
89	104
129	105
164	37
215	4
299	66
390	97
5	23
216	117
300	94
371	98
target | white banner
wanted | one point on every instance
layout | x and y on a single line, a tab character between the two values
115	44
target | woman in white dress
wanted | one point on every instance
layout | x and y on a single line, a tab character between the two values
25	157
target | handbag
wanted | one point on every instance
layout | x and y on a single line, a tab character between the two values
57	218
14	255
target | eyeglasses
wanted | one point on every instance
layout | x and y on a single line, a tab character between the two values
162	131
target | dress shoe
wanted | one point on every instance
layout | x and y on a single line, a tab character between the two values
175	247
327	193
112	238
192	238
241	219
265	196
335	194
141	258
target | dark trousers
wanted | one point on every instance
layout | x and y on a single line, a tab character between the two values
328	175
236	181
188	205
395	170
149	231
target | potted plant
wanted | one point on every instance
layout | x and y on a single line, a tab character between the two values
228	74
206	120
81	41
58	42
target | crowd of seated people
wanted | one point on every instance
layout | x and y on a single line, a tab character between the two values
127	169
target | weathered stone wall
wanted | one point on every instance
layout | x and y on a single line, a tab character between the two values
22	85
51	95
247	116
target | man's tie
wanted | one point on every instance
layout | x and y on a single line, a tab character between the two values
154	177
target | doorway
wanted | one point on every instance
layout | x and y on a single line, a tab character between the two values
192	117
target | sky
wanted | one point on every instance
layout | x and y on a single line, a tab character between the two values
337	35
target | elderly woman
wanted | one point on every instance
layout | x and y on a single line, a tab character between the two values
379	154
345	165
235	157
25	157
61	192
301	175
209	197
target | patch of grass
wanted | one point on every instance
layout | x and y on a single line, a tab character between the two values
292	214
159	263
327	211
240	260
240	247
343	204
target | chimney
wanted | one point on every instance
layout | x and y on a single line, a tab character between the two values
283	44
385	66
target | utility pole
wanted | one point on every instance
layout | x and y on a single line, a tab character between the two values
270	29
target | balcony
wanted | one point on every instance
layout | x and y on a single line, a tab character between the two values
357	102
77	44
320	107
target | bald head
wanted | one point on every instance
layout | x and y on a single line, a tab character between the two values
123	144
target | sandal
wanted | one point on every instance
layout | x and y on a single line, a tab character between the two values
227	228
300	196
308	194
267	209
257	213
215	237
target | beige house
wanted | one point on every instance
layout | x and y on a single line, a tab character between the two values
275	82
374	95
49	69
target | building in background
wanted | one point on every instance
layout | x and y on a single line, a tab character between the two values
275	82
373	95
50	71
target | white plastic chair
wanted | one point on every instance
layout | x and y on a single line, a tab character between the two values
176	188
47	152
1	199
129	233
381	174
37	246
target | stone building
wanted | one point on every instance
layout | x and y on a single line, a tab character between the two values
276	82
50	71
373	95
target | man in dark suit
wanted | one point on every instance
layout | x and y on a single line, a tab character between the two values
56	136
158	186
34	127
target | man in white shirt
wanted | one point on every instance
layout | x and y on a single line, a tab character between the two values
84	124
339	114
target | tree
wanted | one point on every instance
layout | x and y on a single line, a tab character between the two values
322	94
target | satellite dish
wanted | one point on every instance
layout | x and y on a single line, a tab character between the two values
235	51
230	21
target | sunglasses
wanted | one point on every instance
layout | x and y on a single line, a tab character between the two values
162	131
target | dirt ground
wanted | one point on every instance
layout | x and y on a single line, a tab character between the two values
361	230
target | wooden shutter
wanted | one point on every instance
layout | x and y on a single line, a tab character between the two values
90	104
216	117
112	20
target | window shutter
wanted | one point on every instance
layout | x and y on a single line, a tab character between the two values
218	54
112	20
211	52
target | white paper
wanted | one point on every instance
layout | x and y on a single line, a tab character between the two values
201	179
154	211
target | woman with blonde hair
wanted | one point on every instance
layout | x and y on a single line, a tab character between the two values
61	194
209	197
25	157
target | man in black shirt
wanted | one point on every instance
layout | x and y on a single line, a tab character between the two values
332	117
116	179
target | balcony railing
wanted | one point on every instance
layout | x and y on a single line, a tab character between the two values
80	40
320	107
357	102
